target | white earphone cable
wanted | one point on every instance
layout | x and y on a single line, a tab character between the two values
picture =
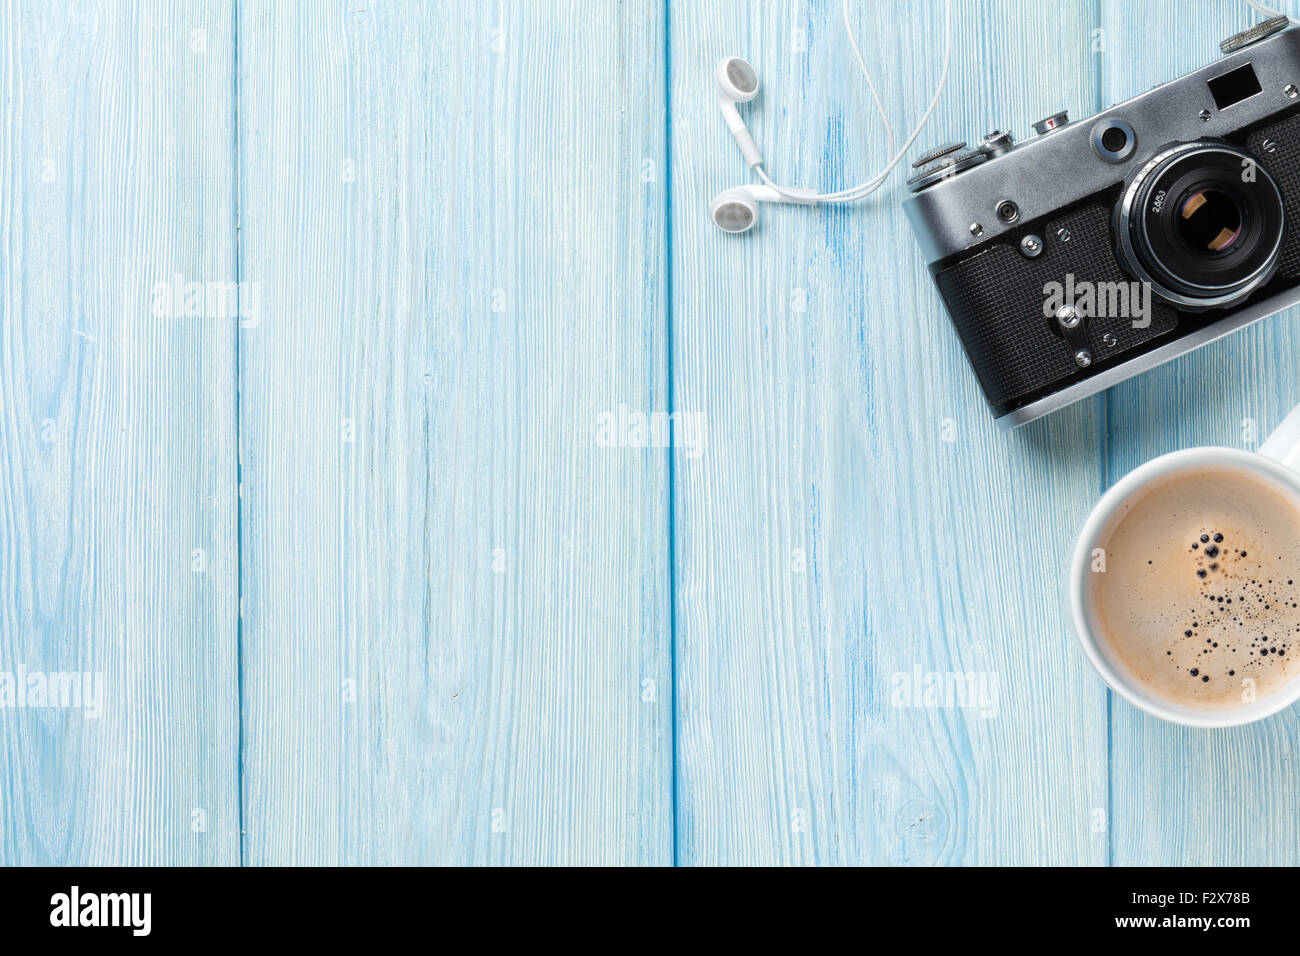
862	190
865	189
866	75
1266	11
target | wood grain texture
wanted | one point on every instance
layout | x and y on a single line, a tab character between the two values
1181	795
118	552
456	215
462	586
858	517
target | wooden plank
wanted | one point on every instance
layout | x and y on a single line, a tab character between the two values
1183	795
455	639
832	542
118	551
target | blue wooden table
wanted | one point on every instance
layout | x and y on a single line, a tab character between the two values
337	342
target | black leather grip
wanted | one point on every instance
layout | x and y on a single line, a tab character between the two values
996	300
1278	149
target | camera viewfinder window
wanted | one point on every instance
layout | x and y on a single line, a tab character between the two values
1232	88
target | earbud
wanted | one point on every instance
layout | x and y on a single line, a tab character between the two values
737	82
736	210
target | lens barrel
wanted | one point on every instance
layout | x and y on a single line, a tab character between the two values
1203	223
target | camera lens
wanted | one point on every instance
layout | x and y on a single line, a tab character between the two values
1203	223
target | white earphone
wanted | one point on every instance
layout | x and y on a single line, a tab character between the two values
736	81
736	210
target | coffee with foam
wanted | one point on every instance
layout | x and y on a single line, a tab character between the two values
1195	591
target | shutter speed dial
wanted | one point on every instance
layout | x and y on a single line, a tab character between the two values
1260	31
1053	122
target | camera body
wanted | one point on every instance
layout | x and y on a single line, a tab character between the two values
1099	249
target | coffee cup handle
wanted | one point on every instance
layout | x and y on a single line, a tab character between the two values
1284	444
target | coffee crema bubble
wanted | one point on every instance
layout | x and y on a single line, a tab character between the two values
1198	602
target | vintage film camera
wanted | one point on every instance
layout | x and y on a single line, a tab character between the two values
1101	248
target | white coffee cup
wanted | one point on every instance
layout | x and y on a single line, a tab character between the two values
1277	459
